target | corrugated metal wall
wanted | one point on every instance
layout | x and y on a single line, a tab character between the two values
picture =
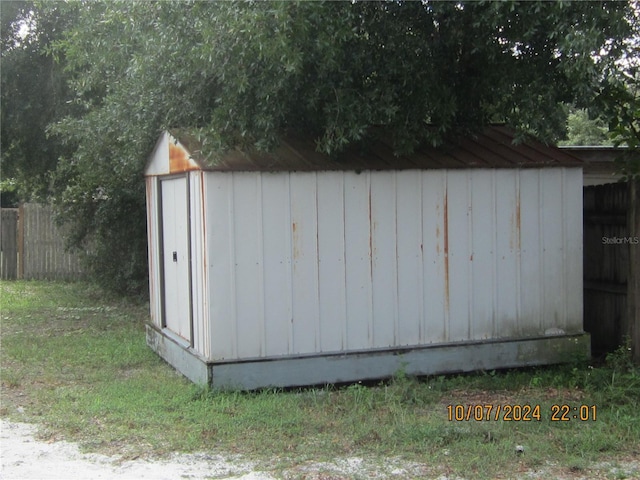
176	255
199	259
301	263
154	244
156	215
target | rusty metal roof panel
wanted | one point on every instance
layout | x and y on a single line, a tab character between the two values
494	147
531	153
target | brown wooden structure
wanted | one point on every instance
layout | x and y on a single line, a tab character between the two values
33	246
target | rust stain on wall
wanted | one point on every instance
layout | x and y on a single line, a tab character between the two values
371	229
511	230
518	220
296	240
437	230
514	231
446	251
179	159
150	225
203	210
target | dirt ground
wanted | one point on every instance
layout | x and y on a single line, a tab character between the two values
24	457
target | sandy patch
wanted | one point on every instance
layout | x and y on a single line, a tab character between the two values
25	458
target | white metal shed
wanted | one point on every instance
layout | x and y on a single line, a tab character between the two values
296	269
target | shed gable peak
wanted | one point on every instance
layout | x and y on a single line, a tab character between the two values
170	156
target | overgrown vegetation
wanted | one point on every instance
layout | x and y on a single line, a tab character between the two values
242	74
34	94
74	359
583	130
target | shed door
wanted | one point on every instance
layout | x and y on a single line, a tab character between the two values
175	253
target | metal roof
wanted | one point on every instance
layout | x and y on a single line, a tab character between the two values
492	148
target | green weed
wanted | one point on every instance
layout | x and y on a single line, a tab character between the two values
74	360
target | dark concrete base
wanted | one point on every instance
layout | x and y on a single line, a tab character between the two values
178	354
368	365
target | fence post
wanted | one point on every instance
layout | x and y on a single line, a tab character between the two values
633	279
21	241
8	244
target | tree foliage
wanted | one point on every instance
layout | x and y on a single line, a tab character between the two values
33	94
241	74
618	98
584	130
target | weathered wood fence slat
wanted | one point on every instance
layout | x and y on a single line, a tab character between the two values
608	244
9	244
35	246
633	281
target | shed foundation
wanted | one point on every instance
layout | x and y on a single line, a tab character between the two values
368	365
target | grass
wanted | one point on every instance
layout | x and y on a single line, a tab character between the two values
74	360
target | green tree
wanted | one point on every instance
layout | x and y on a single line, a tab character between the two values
584	130
33	93
242	74
619	97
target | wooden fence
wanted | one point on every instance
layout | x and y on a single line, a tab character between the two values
9	244
609	241
33	247
633	281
